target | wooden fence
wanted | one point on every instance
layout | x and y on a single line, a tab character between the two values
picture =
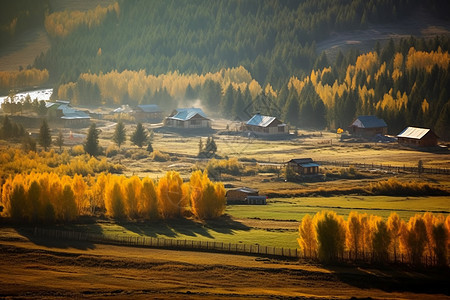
151	242
213	246
390	168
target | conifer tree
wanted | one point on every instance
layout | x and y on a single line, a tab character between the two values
139	136
45	139
59	141
91	144
119	136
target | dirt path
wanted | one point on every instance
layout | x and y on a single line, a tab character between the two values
49	269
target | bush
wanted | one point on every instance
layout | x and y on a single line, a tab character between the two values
159	156
111	151
77	150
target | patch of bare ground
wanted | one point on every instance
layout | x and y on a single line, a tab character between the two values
44	269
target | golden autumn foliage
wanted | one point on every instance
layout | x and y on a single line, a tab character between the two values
364	235
207	199
115	85
60	24
13	161
48	197
23	78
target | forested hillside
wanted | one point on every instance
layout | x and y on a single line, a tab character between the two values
227	54
273	40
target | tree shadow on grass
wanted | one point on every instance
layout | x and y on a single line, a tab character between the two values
395	279
185	227
168	228
49	236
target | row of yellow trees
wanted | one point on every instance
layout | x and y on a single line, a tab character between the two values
23	78
48	197
363	235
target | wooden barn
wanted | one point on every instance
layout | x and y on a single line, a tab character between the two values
188	118
266	125
61	111
304	166
148	113
368	126
240	195
415	136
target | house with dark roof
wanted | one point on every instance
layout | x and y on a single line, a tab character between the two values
304	166
368	126
71	117
148	113
245	195
188	118
260	124
415	136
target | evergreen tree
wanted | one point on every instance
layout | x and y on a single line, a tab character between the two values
91	144
119	136
139	136
59	141
45	139
6	132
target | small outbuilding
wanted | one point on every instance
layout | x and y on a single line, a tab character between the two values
266	125
415	136
368	126
148	113
304	166
240	195
188	118
71	117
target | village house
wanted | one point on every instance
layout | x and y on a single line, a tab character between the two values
188	118
414	136
148	113
368	126
244	195
266	125
61	111
303	166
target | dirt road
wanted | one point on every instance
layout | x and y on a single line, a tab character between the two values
49	269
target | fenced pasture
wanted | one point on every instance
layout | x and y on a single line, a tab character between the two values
216	246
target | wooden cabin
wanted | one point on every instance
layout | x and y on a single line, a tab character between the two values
304	166
368	126
415	136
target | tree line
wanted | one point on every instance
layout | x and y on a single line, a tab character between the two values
328	235
51	198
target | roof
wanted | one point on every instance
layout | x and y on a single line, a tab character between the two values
70	113
246	190
123	109
185	114
414	133
260	120
305	162
150	108
368	122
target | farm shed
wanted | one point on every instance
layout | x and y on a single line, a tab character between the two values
368	126
148	113
304	166
260	124
71	117
415	136
188	118
239	195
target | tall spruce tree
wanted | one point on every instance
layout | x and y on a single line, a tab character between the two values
119	136
45	138
139	136
91	145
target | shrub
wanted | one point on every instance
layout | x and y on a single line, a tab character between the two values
111	151
159	156
77	150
